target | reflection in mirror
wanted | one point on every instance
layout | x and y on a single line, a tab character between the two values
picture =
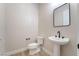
61	15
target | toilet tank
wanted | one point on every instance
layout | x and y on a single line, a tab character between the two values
40	39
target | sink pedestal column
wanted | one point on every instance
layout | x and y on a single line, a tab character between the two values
56	50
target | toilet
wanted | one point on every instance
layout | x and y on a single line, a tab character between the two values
35	48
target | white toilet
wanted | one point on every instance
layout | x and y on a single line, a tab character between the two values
36	47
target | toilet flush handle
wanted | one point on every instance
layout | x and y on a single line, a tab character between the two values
28	38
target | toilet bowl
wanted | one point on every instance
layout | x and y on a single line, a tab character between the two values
36	46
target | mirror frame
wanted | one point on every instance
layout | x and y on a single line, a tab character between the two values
69	16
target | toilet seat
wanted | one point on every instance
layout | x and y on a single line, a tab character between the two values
33	45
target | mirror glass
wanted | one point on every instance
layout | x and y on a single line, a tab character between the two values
61	15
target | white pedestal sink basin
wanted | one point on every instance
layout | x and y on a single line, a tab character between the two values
57	42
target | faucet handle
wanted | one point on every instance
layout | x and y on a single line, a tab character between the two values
62	37
55	35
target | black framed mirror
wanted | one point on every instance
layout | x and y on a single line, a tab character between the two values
61	16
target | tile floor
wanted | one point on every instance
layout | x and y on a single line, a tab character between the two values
26	53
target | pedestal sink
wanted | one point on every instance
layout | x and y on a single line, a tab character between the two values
57	43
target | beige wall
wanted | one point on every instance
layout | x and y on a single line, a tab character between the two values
77	27
2	28
21	23
46	28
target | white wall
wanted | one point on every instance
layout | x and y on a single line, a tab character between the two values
46	28
21	22
2	28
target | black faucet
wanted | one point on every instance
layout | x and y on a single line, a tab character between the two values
58	32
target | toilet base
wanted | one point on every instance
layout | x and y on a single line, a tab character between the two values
34	51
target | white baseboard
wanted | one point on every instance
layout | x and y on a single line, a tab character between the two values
47	51
14	51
